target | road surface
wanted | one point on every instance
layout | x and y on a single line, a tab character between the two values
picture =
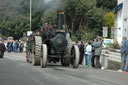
15	71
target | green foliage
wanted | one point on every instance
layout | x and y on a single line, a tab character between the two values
0	35
96	17
80	13
87	34
84	17
50	16
106	4
84	34
109	22
15	28
109	19
36	20
106	52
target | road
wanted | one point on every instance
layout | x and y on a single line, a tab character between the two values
15	71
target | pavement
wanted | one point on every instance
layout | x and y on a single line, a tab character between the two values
15	71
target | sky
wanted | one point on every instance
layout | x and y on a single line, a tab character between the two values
46	1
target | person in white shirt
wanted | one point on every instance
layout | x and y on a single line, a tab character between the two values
88	53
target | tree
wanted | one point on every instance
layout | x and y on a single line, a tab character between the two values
76	12
15	27
83	14
106	4
80	15
109	21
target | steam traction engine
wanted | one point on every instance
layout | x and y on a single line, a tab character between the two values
55	46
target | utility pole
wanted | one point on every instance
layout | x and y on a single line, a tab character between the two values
30	14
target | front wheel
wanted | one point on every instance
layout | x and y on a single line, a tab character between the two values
75	56
44	55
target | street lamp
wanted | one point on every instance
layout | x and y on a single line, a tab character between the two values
30	14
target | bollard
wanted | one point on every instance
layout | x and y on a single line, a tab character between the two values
104	61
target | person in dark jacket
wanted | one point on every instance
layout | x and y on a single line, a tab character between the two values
93	53
2	49
81	48
9	46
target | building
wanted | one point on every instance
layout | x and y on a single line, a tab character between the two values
121	20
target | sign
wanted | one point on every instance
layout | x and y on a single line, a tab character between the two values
107	42
29	33
105	31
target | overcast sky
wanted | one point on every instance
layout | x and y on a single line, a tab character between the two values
46	1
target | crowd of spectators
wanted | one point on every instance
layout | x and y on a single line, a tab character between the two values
14	46
90	52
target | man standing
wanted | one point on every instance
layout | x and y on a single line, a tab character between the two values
98	48
2	49
123	53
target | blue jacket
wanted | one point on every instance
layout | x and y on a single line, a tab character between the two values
124	46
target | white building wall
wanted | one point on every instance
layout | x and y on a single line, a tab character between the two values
119	26
125	26
121	22
119	1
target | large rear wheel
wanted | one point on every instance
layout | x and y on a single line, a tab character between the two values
75	56
36	54
43	60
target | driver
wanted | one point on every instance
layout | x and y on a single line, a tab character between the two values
46	27
46	30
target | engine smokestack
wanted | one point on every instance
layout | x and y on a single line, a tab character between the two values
60	20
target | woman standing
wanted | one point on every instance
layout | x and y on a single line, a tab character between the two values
88	53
